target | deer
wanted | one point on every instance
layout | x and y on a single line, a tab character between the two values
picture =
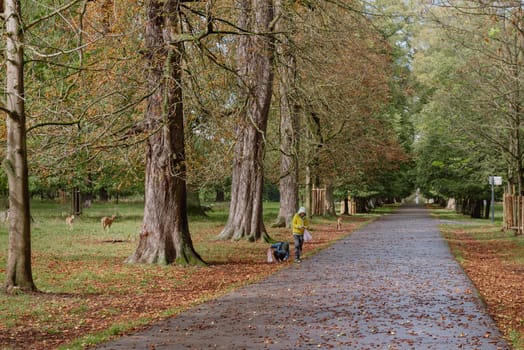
70	221
107	221
339	222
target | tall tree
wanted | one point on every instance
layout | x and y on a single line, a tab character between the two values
19	273
289	117
165	236
254	55
348	138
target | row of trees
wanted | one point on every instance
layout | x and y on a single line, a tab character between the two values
298	93
468	60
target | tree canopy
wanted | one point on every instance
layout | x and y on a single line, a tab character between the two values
368	98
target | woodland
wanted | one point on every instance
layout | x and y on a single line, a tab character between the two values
181	102
177	101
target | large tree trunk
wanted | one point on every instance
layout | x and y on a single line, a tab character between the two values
288	184
315	140
18	274
255	71
165	234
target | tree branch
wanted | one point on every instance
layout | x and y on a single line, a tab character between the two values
54	13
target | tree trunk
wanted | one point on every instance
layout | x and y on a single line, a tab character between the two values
308	187
330	201
476	208
18	273
288	184
165	234
466	205
194	207
255	71
103	195
487	209
361	205
346	207
220	196
76	200
314	138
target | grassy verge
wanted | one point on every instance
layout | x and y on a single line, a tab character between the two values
88	293
494	261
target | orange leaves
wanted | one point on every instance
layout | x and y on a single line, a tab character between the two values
499	279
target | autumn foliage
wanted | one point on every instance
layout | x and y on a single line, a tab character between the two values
493	261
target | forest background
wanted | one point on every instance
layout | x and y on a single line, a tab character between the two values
234	100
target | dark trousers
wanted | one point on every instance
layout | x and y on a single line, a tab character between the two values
299	242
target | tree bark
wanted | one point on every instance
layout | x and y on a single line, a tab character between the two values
19	273
219	195
165	234
361	205
315	140
487	209
255	70
330	201
476	208
103	195
289	142
194	206
346	207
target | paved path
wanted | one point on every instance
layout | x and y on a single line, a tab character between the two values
390	285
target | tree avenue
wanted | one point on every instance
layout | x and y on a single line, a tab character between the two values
293	93
469	64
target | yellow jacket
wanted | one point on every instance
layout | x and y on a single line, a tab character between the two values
299	224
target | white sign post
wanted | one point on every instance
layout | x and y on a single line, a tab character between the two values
494	181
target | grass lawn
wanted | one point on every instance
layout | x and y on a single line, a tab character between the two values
494	261
88	293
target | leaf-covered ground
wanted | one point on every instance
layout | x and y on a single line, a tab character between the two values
494	261
112	297
89	296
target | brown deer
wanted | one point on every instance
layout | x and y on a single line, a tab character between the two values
70	220
339	222
107	221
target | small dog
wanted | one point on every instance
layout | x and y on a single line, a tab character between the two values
70	220
107	221
339	222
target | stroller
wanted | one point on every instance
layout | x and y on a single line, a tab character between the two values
279	251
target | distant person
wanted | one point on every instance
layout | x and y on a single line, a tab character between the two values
300	223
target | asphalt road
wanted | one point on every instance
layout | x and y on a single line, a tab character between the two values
390	285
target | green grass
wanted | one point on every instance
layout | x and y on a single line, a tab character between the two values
81	269
517	341
446	214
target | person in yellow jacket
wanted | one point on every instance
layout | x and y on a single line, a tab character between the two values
300	223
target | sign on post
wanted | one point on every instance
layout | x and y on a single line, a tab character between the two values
494	181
